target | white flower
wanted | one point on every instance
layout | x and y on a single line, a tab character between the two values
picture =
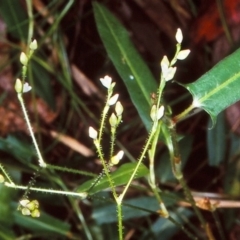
24	202
106	81
160	112
156	114
26	87
179	36
183	54
113	99
164	64
92	133
115	159
170	73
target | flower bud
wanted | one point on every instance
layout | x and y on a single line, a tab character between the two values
115	159
18	86
33	45
92	133
113	120
119	108
33	205
113	99
35	213
23	59
179	36
26	211
1	178
183	54
153	112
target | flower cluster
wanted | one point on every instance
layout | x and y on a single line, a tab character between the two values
115	118
168	71
28	207
22	86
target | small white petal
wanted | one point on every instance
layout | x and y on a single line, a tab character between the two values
183	54
24	202
120	154
115	159
106	81
26	87
164	64
92	133
170	73
160	112
113	99
179	36
26	211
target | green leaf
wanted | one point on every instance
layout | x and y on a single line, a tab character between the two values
42	83
44	224
6	233
218	88
6	195
119	177
216	141
132	208
127	61
165	229
15	17
20	149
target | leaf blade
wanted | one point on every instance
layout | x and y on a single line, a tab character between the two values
218	88
130	66
119	177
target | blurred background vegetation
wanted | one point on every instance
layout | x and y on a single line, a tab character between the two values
67	98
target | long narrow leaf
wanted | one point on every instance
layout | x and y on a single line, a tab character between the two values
130	66
119	177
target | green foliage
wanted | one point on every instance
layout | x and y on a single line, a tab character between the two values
130	66
120	177
218	88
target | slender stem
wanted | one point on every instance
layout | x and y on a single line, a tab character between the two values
74	194
75	171
120	225
139	162
183	114
176	165
112	143
30	17
5	174
40	158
